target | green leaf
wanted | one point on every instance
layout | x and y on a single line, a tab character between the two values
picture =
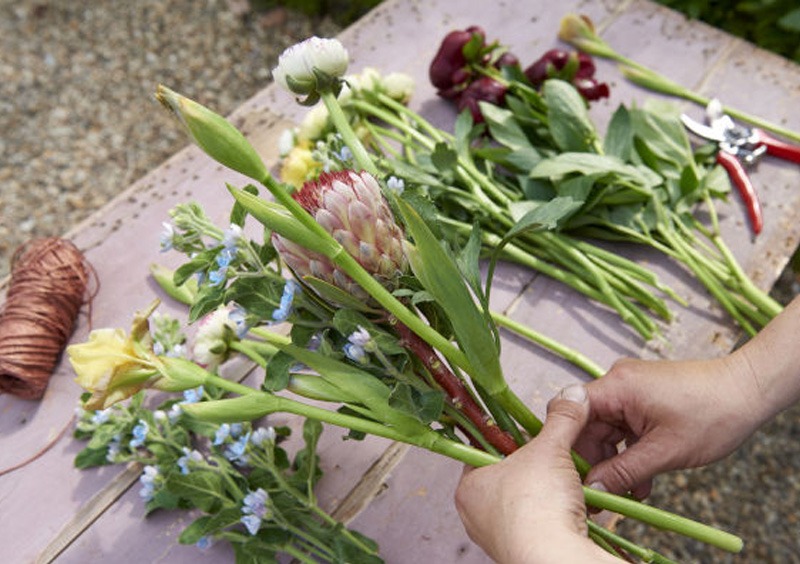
258	295
238	212
468	260
278	219
604	167
90	457
349	379
543	216
196	530
198	262
506	130
208	299
619	135
425	406
567	118
202	488
444	159
306	462
717	182
277	375
253	553
334	294
439	274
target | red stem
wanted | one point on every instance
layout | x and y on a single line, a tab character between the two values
457	393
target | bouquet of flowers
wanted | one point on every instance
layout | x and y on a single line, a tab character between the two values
387	325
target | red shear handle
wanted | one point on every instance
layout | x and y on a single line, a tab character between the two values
745	187
778	148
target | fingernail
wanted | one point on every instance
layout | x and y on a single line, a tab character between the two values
599	486
576	393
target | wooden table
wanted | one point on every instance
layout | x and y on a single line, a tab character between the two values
403	497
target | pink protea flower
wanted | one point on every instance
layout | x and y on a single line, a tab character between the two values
348	205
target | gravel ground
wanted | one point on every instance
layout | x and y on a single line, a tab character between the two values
79	125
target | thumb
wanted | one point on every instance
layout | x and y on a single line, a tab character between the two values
630	471
567	415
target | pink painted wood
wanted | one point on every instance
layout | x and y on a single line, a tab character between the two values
413	518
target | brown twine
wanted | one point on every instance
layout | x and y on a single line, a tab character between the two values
49	284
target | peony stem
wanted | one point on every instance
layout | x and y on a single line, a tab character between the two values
456	391
568	354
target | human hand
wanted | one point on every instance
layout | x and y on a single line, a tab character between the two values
671	415
529	507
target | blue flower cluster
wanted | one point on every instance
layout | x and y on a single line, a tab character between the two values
254	509
355	348
139	434
230	246
149	480
285	307
189	456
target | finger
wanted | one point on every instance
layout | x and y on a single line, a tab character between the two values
632	470
567	415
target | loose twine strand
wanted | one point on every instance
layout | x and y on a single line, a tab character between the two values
50	280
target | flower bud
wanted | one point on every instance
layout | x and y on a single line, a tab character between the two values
311	65
450	57
590	89
578	30
399	86
485	89
214	134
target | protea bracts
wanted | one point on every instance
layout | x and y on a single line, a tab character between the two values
348	205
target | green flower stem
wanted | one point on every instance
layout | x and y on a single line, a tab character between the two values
472	431
525	417
642	324
610	539
297	553
431	440
487	191
524	256
710	282
632	268
349	136
663	519
568	354
650	79
249	351
760	299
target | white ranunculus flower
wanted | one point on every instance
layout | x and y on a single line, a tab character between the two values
399	86
297	65
313	125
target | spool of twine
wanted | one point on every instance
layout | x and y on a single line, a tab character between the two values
49	285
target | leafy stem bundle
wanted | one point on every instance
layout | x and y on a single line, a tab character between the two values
540	163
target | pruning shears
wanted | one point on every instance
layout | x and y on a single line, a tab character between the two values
740	146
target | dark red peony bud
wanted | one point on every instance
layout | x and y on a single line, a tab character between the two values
507	60
590	89
585	66
450	57
485	89
547	66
